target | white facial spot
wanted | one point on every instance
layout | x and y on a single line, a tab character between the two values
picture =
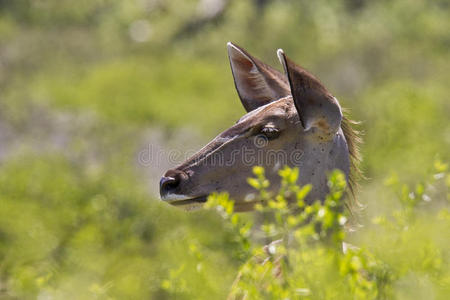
277	166
174	197
250	197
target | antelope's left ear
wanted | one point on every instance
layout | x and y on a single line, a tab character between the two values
316	107
257	83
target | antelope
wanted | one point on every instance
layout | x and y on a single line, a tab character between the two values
291	119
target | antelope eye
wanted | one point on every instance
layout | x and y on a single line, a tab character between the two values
270	132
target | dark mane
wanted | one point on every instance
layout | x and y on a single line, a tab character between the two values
353	138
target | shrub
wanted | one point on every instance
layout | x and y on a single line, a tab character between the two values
301	251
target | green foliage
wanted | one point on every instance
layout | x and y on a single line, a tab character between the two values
303	251
88	233
83	82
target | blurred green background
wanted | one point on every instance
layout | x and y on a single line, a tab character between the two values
87	87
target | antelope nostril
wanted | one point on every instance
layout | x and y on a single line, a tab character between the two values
167	184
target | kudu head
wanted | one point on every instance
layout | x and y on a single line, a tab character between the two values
291	120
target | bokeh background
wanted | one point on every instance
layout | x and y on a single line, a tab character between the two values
91	90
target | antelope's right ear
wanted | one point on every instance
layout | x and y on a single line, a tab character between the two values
316	107
257	83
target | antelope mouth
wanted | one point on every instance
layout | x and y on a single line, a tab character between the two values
185	202
196	200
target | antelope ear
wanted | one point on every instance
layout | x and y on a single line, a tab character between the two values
257	83
316	107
